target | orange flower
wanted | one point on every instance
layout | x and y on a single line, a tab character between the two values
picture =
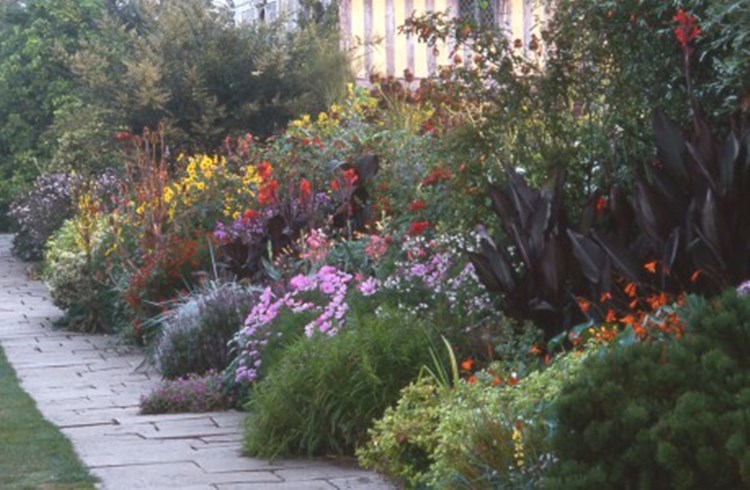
496	381
695	275
628	319
583	305
605	296
535	350
651	267
631	289
657	300
611	316
467	364
472	380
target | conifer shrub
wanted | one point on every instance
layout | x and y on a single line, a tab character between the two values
662	414
323	393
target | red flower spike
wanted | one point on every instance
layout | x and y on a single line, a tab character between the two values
305	189
687	29
265	170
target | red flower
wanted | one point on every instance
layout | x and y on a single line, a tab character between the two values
436	176
316	141
417	206
601	205
267	194
265	170
250	214
305	190
123	136
418	227
350	176
335	185
687	30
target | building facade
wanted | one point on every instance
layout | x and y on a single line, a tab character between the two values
369	31
369	28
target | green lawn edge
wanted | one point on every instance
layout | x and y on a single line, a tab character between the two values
34	454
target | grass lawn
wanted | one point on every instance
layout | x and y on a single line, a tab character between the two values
33	453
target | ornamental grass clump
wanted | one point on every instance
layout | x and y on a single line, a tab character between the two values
323	393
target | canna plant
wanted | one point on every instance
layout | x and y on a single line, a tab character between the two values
256	238
691	204
535	276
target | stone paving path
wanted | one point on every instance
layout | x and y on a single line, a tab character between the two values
89	386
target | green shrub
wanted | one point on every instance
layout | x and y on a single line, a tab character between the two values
75	275
662	414
195	335
475	435
403	441
323	393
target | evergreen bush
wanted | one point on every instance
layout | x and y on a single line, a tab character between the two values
662	414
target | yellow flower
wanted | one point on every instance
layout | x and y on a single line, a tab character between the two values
168	194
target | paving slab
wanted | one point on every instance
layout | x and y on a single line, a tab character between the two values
90	387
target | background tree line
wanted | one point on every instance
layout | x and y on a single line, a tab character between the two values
75	73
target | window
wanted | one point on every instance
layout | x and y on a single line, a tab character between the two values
481	12
266	10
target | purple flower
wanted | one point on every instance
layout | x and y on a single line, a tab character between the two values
369	286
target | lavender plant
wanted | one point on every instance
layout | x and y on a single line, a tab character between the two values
196	332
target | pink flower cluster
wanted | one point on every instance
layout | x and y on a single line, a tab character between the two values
329	282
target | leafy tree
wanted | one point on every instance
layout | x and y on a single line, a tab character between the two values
35	38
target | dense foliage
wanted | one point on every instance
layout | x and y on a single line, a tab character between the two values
591	175
79	78
654	414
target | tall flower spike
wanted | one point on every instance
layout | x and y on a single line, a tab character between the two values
687	28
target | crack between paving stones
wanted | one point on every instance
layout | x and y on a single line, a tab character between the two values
92	424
